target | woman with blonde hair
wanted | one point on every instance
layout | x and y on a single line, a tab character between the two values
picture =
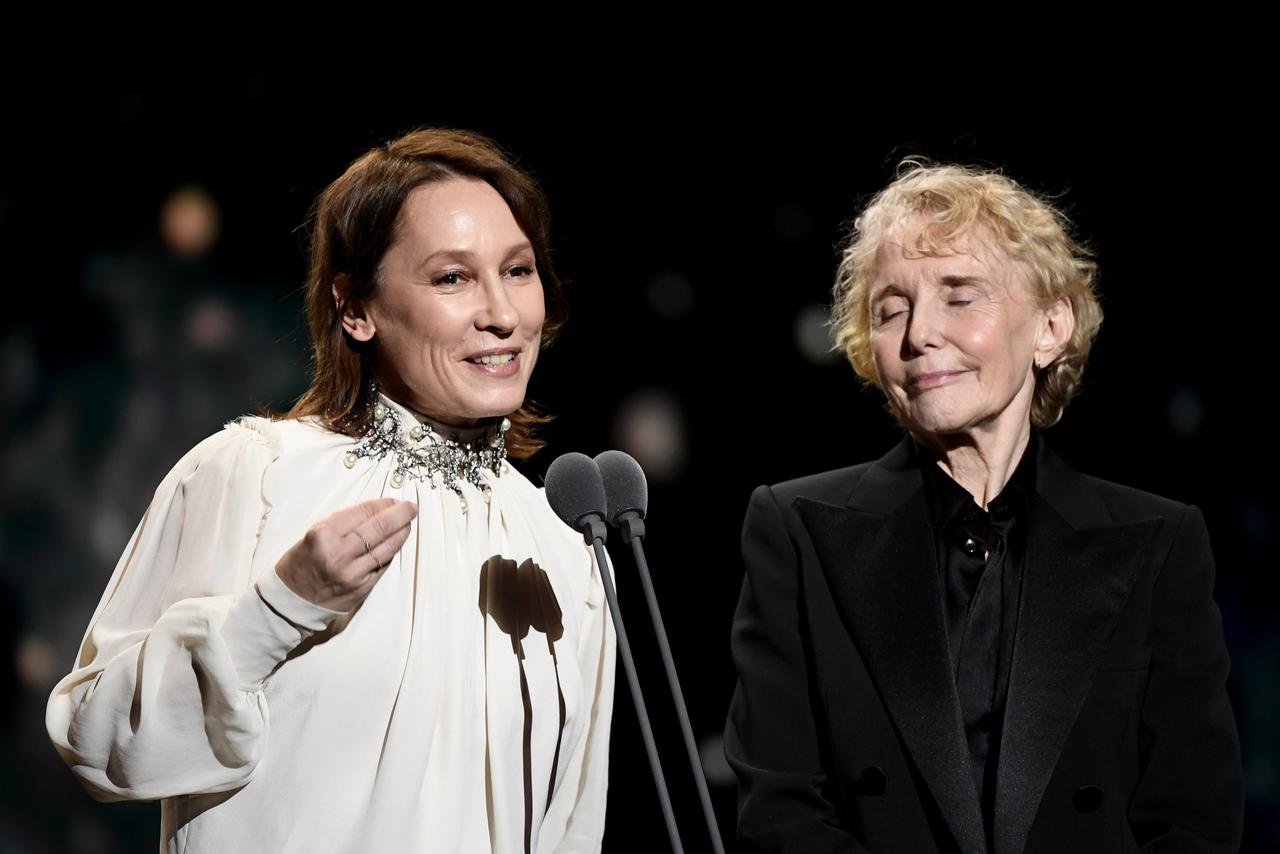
967	645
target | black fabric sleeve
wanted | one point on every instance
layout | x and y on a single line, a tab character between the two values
1190	796
771	738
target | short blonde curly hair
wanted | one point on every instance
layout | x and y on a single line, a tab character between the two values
955	199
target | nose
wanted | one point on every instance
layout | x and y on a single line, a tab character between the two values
497	312
923	328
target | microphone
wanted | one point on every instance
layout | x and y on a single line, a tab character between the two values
627	500
576	493
626	492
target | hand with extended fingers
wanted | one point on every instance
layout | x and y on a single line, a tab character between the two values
342	556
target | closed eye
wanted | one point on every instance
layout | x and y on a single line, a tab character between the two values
962	290
890	308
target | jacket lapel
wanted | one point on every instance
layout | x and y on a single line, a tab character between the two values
1078	572
878	556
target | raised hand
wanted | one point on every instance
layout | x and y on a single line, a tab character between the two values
342	556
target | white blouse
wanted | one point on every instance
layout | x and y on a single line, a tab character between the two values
464	706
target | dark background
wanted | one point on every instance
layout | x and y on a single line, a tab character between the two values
695	221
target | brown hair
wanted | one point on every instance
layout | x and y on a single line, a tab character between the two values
353	224
1030	230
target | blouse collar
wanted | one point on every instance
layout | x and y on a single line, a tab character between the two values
419	452
410	419
947	498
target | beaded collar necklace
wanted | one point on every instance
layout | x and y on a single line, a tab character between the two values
425	455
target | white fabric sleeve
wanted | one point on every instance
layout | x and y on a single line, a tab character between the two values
260	630
576	813
166	695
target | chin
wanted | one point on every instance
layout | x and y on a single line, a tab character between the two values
939	414
495	408
937	423
494	401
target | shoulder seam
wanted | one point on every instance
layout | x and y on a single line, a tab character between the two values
260	430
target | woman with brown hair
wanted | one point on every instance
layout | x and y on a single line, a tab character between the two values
356	627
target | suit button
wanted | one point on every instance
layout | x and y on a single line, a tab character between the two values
971	546
1087	798
873	781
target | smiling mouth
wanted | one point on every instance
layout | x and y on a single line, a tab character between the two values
493	359
924	382
497	364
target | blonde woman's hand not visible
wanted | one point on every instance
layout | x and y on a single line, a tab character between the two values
342	556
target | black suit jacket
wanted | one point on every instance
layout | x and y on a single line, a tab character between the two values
845	729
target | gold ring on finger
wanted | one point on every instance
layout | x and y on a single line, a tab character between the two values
368	550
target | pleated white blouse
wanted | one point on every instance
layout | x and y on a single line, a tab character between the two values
464	706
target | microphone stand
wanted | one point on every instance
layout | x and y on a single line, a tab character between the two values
631	525
595	531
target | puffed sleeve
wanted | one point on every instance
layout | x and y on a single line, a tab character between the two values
1190	796
771	738
577	811
166	696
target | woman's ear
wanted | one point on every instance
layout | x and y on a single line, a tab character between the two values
1056	326
356	321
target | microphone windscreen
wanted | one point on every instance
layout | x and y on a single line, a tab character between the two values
574	488
625	486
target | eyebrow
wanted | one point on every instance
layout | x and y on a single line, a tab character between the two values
959	281
891	288
949	281
467	254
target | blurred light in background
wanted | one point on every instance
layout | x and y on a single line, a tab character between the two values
190	222
1185	411
1257	524
108	535
19	371
813	335
1255	669
38	663
89	836
670	294
649	425
211	325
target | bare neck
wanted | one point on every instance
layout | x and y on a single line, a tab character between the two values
981	463
465	433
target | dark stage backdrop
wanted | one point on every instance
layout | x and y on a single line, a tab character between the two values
152	245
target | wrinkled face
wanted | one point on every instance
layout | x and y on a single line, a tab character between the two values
955	334
458	317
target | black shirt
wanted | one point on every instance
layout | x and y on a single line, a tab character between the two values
981	560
